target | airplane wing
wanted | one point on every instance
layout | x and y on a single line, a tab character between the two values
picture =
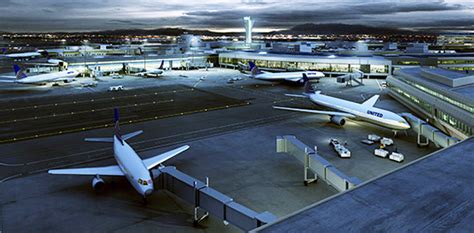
155	160
330	113
113	170
371	102
297	96
7	79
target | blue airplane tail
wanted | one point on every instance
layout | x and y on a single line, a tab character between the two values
19	72
308	88
116	125
162	63
254	69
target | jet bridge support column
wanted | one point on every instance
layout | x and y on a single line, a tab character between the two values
307	169
197	209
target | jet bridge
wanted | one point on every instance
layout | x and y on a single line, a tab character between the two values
207	200
314	163
348	78
426	132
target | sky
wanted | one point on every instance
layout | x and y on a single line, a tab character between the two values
226	15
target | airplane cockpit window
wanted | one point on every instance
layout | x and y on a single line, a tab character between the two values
143	182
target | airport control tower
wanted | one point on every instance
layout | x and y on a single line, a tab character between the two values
248	30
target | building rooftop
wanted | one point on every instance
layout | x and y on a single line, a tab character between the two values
432	194
458	85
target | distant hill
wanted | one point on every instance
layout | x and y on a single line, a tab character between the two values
309	28
341	29
161	31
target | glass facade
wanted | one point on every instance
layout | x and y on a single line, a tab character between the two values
441	96
454	122
324	67
443	116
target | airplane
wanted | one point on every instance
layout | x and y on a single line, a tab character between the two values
347	109
22	78
130	165
25	55
153	72
296	77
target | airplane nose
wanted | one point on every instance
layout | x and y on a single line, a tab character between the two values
148	192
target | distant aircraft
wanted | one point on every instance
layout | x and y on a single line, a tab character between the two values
296	77
153	72
24	56
347	109
129	163
22	78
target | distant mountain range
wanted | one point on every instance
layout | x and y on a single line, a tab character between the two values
310	28
160	31
342	29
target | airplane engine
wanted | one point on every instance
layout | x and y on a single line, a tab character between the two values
338	120
98	184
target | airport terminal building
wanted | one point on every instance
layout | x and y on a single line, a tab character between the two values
332	65
445	97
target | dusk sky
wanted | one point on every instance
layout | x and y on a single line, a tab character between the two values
222	15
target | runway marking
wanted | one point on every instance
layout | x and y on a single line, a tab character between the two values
12	164
85	111
124	122
92	100
11	177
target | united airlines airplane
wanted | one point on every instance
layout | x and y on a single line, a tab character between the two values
22	78
130	165
296	77
347	109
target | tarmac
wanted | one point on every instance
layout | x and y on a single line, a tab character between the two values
432	194
235	147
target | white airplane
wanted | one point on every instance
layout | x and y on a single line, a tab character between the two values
130	165
153	72
22	78
347	109
25	55
296	77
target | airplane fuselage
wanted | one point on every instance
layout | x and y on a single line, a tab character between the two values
289	76
23	55
366	113
133	167
44	78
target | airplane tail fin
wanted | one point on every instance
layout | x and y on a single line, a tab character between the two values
116	132
308	88
4	50
162	63
117	125
19	74
254	69
44	53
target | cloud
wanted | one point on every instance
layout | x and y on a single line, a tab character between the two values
70	15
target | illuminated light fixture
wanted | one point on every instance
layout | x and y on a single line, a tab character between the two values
332	56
